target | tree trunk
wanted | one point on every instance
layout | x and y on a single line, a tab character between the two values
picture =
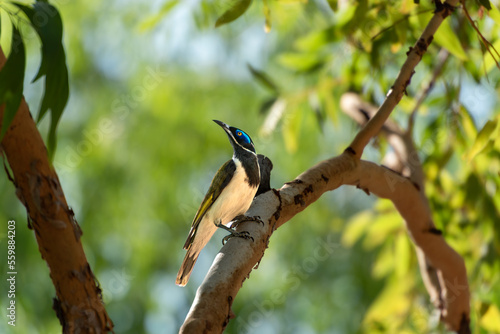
78	304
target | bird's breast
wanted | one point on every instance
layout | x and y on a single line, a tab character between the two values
235	199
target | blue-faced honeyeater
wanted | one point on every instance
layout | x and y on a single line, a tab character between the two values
228	198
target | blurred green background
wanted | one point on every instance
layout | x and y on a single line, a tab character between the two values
137	149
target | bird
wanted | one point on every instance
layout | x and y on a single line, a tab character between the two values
229	196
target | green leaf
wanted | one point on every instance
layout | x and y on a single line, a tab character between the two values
262	78
6	31
352	20
301	62
392	300
238	8
344	16
153	20
334	4
326	94
447	38
267	15
381	228
267	104
356	228
473	188
291	130
11	81
490	321
384	263
482	139
47	22
494	13
404	252
318	39
489	61
467	122
486	4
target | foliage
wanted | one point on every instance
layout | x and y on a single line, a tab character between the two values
46	21
137	149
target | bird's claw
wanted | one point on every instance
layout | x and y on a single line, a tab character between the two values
240	219
243	234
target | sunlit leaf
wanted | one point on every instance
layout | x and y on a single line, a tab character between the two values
6	31
318	39
482	138
467	123
403	252
494	13
11	81
491	319
238	8
356	228
380	228
489	61
300	62
384	264
326	94
392	302
267	15
291	130
345	15
447	38
153	20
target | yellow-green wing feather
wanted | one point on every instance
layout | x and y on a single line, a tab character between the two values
219	182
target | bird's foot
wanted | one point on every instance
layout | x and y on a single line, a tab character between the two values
243	234
242	218
233	233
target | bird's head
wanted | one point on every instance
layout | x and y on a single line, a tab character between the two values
237	137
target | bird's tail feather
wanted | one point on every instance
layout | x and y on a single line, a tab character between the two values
187	267
196	241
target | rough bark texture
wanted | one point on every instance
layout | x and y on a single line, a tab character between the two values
78	305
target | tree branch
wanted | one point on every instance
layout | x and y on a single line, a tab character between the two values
78	305
211	309
408	163
403	80
401	142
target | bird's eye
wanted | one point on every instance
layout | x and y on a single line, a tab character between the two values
239	133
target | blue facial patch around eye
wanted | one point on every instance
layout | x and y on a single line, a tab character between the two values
242	135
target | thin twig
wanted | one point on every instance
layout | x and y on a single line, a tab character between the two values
441	60
483	39
404	18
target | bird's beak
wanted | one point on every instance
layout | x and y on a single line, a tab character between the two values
228	132
222	124
225	127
